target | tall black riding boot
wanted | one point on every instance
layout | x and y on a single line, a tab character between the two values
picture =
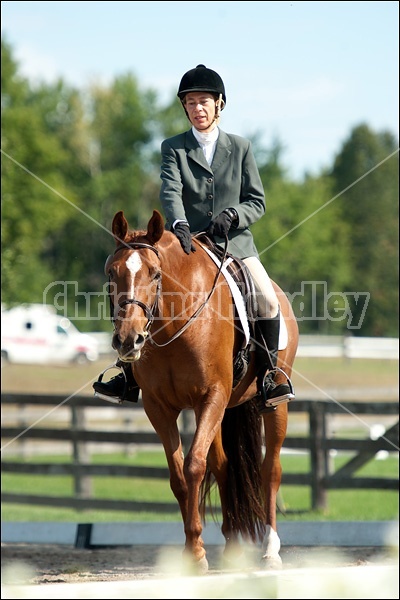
120	388
269	393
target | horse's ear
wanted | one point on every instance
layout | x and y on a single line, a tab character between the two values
119	227
155	227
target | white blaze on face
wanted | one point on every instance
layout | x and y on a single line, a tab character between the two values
134	264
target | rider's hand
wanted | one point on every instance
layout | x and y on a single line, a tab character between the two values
222	223
182	232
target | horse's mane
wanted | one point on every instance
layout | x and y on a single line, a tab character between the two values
142	236
135	235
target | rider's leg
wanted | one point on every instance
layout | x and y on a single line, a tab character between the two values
122	387
267	345
267	389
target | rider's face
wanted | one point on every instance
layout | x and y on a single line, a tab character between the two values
200	107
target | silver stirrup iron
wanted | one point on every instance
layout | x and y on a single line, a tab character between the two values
280	399
111	399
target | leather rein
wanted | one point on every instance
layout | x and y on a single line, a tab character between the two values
150	312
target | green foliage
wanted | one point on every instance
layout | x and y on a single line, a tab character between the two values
33	185
366	180
172	119
303	245
72	158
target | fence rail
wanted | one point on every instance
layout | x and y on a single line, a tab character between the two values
318	443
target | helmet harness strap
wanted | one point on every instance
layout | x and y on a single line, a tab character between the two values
218	107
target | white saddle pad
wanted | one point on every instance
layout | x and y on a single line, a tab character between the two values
239	302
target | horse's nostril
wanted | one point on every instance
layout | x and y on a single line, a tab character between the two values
140	340
116	342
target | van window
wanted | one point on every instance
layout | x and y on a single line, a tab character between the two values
61	330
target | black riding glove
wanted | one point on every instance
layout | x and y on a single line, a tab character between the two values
182	232
222	223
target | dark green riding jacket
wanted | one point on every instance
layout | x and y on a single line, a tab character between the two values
195	192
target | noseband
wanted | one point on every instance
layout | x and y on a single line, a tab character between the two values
149	312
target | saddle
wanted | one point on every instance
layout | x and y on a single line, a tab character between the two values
241	275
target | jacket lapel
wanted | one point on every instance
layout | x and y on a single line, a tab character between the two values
222	151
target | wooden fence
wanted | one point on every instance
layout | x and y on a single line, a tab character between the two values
318	443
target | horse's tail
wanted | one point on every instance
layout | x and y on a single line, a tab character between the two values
242	443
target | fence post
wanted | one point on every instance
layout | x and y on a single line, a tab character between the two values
318	456
82	483
186	428
22	422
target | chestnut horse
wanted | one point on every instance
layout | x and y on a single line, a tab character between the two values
174	320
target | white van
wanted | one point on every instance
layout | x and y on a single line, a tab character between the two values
35	334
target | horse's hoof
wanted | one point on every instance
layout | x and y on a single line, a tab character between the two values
271	562
194	567
202	566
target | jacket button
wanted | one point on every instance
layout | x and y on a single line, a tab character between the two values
209	214
210	180
210	196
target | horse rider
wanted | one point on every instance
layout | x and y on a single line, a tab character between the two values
210	182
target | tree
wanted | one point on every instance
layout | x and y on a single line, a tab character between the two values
32	185
72	158
365	175
303	246
119	121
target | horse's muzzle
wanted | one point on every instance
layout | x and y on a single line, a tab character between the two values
129	349
129	358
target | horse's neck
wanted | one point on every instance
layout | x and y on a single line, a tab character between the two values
180	271
187	283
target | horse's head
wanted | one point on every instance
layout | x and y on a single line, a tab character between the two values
134	274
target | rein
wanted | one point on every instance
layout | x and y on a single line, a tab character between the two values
150	312
200	309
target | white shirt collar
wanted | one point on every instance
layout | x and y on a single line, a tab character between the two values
208	142
206	138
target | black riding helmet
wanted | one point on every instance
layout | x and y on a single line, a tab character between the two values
202	79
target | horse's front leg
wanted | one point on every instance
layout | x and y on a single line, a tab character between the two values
208	422
164	422
275	425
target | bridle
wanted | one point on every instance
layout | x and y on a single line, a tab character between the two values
148	311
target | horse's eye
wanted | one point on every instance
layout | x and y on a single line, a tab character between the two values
111	273
157	276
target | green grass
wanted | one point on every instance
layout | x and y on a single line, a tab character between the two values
309	374
343	505
294	501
